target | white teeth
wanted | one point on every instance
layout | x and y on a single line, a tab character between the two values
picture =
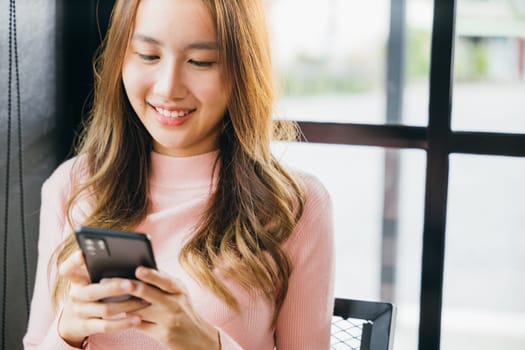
173	114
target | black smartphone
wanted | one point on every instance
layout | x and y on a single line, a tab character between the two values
111	253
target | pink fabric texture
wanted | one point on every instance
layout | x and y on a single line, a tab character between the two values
180	189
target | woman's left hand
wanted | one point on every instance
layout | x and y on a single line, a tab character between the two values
171	319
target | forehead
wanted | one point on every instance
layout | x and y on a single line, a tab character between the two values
174	22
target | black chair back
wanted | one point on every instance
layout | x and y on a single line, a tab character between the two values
362	325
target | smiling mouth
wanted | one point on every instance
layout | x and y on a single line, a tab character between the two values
173	114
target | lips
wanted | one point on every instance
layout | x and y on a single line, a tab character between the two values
172	116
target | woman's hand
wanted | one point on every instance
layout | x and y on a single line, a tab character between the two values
83	314
171	319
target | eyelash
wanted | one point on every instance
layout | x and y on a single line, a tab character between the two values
202	64
148	57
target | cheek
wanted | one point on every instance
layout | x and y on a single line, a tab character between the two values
215	93
135	83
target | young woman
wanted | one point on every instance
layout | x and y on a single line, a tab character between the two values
178	146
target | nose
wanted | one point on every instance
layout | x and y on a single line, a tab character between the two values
170	82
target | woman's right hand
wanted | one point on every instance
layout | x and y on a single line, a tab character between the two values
83	314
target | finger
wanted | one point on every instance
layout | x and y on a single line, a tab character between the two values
148	314
108	309
164	306
97	291
74	269
149	293
160	279
162	310
147	328
97	325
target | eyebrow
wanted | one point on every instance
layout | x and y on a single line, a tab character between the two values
203	45
146	39
198	45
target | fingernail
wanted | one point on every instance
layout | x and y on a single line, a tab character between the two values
77	257
126	285
135	320
141	271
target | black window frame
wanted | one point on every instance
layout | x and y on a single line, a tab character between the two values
438	140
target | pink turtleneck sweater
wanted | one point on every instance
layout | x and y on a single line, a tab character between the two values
180	189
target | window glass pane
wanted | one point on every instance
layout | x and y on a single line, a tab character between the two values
409	246
355	178
489	66
330	59
417	61
484	288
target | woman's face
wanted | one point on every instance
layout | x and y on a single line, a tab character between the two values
173	78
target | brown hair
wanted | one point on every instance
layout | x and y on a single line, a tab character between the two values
257	202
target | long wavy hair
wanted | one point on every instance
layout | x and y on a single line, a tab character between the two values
257	202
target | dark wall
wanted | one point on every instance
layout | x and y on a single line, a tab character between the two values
36	43
55	43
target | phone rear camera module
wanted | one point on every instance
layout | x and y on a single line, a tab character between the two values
101	245
96	247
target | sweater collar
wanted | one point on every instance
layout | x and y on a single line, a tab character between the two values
184	172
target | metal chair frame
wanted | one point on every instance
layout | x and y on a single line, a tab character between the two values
377	321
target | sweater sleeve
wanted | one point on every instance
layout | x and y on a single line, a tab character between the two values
42	332
305	318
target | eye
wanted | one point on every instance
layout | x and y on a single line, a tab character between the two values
201	63
148	57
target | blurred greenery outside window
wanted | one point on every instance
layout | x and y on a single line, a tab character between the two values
489	66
